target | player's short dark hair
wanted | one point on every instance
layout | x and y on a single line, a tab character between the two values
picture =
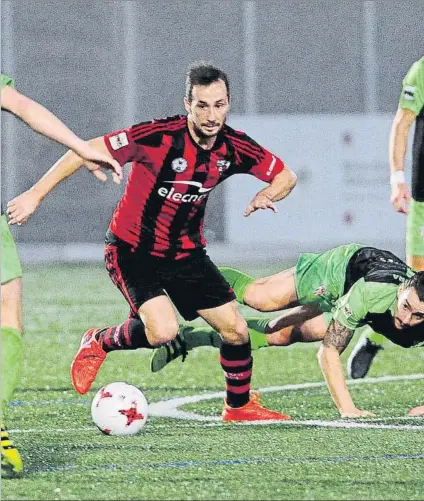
417	282
202	73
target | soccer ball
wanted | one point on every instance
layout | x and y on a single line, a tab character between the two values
119	409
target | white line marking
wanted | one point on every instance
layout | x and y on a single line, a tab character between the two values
170	408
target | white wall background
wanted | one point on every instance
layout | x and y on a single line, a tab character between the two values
343	191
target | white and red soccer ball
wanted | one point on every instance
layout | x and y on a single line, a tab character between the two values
119	409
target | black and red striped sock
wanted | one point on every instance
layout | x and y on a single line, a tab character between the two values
129	335
236	362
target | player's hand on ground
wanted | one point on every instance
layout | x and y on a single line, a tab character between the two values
401	197
260	202
21	208
416	411
356	413
96	160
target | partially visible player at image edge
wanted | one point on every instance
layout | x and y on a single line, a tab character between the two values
43	121
410	110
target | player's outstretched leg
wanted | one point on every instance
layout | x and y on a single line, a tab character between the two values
187	338
11	462
11	350
363	354
238	280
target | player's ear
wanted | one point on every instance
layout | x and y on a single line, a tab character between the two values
187	105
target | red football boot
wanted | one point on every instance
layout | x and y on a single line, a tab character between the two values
87	362
252	411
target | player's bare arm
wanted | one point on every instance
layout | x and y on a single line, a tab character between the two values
334	343
337	336
45	122
282	184
21	208
398	143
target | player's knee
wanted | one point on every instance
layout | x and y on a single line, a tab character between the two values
162	332
235	331
11	294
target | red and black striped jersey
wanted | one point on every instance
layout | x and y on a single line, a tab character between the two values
171	177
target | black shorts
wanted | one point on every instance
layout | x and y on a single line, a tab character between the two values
193	283
417	184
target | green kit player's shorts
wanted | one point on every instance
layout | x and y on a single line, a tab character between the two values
10	263
415	229
320	278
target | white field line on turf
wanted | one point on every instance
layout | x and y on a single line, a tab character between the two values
214	424
170	408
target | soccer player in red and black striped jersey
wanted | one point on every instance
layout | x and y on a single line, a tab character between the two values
155	248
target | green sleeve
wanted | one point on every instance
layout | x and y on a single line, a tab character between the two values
5	80
363	298
412	96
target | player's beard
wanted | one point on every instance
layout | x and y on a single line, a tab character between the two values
203	135
399	325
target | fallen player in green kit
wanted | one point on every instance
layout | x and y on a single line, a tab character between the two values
325	297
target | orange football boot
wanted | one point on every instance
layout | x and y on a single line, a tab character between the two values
252	411
87	362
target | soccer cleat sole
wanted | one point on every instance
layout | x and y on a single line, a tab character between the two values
361	358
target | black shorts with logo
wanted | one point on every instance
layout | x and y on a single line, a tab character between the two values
193	283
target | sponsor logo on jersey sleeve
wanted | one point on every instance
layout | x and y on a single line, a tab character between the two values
119	140
271	166
409	93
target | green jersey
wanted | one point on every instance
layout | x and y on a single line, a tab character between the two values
412	96
5	80
359	286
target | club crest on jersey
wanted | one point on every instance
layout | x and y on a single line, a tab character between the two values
347	311
179	164
223	165
321	290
